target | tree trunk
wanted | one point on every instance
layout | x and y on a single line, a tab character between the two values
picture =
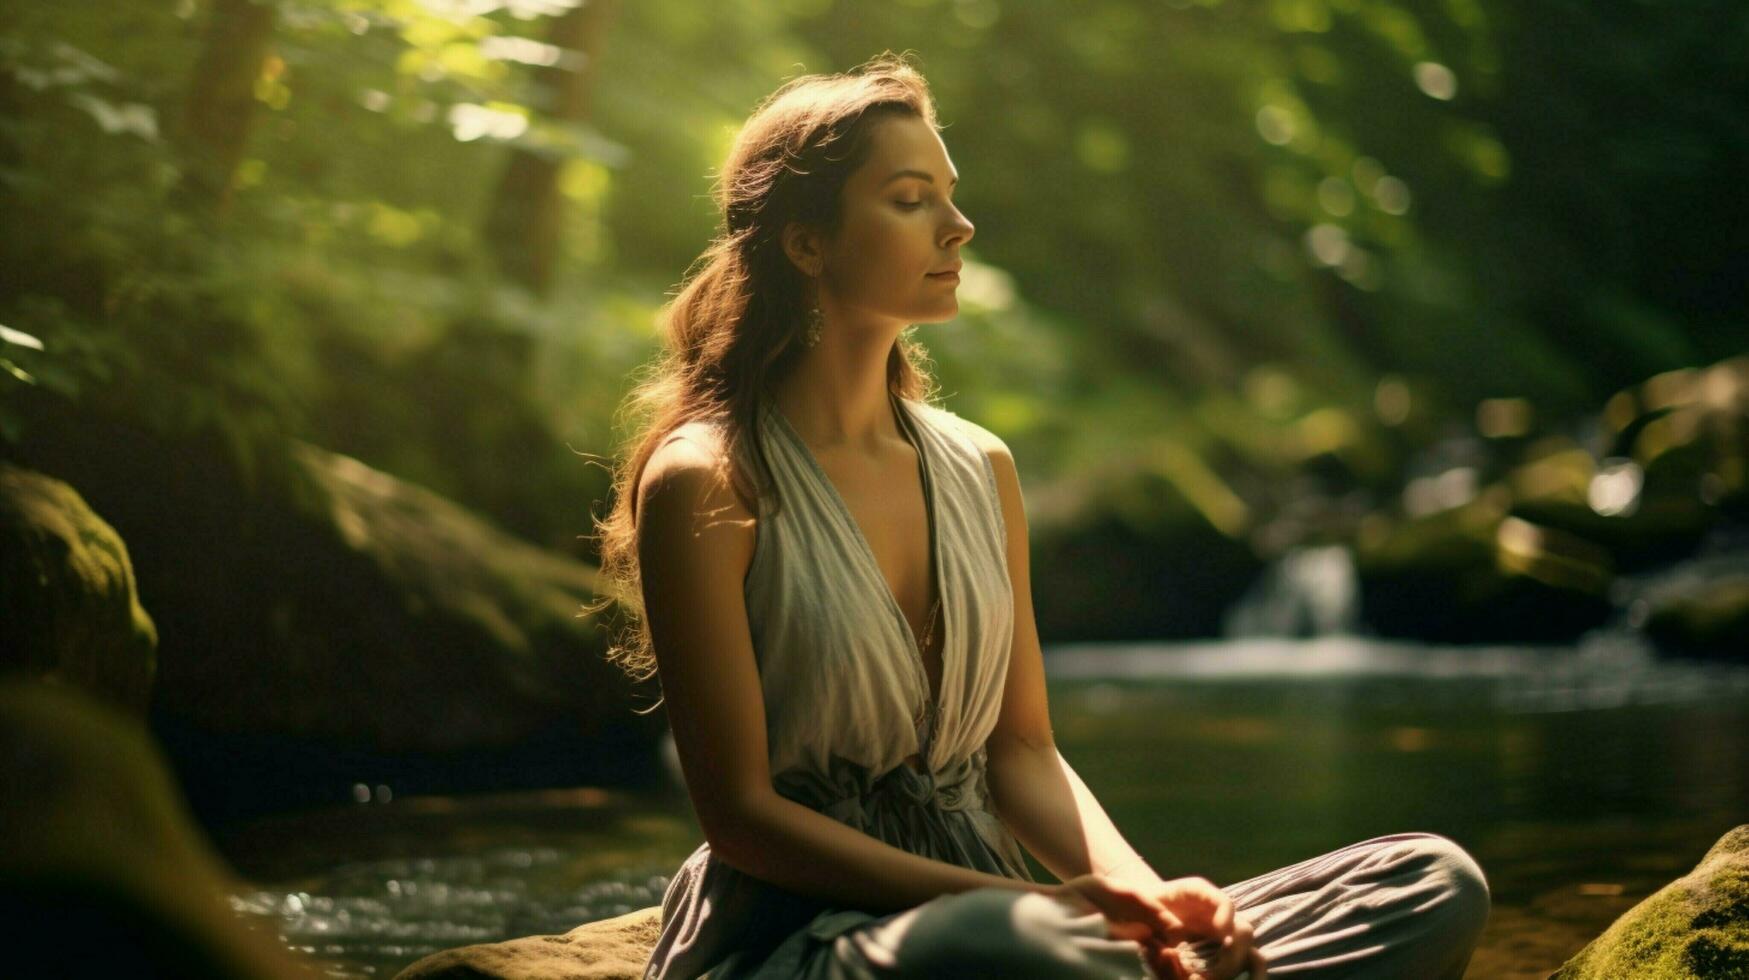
221	100
524	222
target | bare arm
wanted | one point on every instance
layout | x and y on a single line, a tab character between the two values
1034	790
695	540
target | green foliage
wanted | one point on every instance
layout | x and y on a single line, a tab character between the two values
136	313
1231	246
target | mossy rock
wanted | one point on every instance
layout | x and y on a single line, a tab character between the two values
1663	529
1476	574
1119	554
1695	928
326	623
69	609
1711	620
610	949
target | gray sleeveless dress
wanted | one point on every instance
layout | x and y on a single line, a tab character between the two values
843	682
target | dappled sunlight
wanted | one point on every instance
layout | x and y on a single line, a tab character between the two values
1551	556
1374	374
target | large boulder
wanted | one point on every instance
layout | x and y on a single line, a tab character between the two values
1710	620
1695	928
376	613
103	872
327	626
1119	554
610	949
69	611
1475	573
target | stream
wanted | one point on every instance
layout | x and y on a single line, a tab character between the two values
1582	778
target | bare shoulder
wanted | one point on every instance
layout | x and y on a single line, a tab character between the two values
685	482
695	545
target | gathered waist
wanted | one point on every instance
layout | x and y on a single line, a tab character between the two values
854	794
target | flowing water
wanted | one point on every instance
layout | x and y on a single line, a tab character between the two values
1581	778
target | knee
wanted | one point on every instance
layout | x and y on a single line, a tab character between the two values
1465	896
989	931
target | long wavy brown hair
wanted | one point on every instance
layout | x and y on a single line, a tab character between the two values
731	331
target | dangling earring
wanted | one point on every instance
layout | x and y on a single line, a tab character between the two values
811	331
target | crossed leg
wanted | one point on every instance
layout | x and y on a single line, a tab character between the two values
1404	905
1401	907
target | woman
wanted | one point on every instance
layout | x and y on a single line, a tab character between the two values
834	591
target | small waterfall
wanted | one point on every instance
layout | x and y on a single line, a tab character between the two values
1307	592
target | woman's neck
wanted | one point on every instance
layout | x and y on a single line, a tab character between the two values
838	398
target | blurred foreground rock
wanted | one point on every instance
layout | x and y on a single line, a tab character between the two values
611	949
69	611
1695	928
102	870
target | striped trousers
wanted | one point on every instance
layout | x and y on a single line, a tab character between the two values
1401	907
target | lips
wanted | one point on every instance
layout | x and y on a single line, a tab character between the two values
952	270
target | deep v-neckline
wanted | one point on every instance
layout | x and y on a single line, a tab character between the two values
908	430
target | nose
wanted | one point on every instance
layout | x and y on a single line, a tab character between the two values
959	230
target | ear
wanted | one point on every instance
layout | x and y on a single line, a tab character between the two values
802	245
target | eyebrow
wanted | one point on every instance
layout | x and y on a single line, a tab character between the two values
920	174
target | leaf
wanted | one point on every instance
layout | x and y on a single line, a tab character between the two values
19	337
16	371
127	117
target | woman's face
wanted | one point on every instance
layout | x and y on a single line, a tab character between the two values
899	227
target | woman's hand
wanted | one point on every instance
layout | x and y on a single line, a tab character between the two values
1163	915
1205	912
1131	912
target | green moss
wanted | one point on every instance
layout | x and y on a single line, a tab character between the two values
69	606
1695	928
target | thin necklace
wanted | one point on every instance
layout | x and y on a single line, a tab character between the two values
928	635
929	630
